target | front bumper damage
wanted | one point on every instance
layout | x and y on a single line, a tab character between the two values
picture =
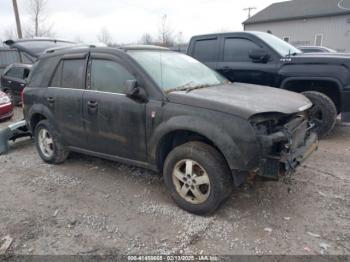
287	149
12	132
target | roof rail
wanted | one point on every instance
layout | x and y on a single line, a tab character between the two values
52	50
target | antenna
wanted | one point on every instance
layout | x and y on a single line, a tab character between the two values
249	9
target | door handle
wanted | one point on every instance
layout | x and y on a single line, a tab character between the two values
92	104
51	100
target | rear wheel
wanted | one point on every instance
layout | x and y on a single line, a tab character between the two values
323	113
48	144
197	177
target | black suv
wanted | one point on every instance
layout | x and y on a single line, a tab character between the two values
263	59
13	81
162	110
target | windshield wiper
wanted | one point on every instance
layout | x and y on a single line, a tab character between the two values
186	87
197	87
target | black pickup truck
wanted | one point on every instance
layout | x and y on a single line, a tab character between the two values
263	59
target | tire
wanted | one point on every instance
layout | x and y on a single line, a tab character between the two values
324	112
56	152
202	157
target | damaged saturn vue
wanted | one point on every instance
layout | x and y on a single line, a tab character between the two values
157	109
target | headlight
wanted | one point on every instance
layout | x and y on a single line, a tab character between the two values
4	100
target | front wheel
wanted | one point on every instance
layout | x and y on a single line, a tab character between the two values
197	177
323	113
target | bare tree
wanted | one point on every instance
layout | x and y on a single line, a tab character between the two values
146	39
105	37
39	23
165	32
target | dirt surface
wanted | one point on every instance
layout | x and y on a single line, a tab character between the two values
94	206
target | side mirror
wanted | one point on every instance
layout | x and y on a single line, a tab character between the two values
134	91
259	55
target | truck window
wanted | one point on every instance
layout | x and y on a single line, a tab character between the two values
237	49
206	50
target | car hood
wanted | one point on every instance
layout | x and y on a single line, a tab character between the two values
323	58
243	100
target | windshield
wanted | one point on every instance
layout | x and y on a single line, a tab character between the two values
280	46
171	70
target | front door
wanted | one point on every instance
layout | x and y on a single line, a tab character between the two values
237	66
115	124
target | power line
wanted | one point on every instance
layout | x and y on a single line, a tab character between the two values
249	9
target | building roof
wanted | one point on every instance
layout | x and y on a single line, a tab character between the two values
300	9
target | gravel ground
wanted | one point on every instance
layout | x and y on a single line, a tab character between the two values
94	206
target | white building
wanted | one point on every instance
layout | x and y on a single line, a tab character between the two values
306	22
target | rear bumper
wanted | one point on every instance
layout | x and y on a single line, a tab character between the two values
12	132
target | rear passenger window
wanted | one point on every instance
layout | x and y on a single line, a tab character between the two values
237	49
69	74
109	76
206	50
16	72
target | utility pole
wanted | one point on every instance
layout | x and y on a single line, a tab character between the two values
18	21
249	9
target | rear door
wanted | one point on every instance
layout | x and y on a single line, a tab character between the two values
64	98
115	124
206	50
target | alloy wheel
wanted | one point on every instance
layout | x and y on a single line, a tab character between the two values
45	143
191	181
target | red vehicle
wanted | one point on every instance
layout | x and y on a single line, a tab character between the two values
6	107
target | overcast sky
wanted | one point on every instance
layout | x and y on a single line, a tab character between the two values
127	20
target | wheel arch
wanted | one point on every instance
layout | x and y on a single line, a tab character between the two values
326	85
177	131
36	114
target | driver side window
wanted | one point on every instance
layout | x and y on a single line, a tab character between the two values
109	76
237	49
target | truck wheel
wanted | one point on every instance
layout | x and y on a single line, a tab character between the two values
197	177
48	144
323	113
